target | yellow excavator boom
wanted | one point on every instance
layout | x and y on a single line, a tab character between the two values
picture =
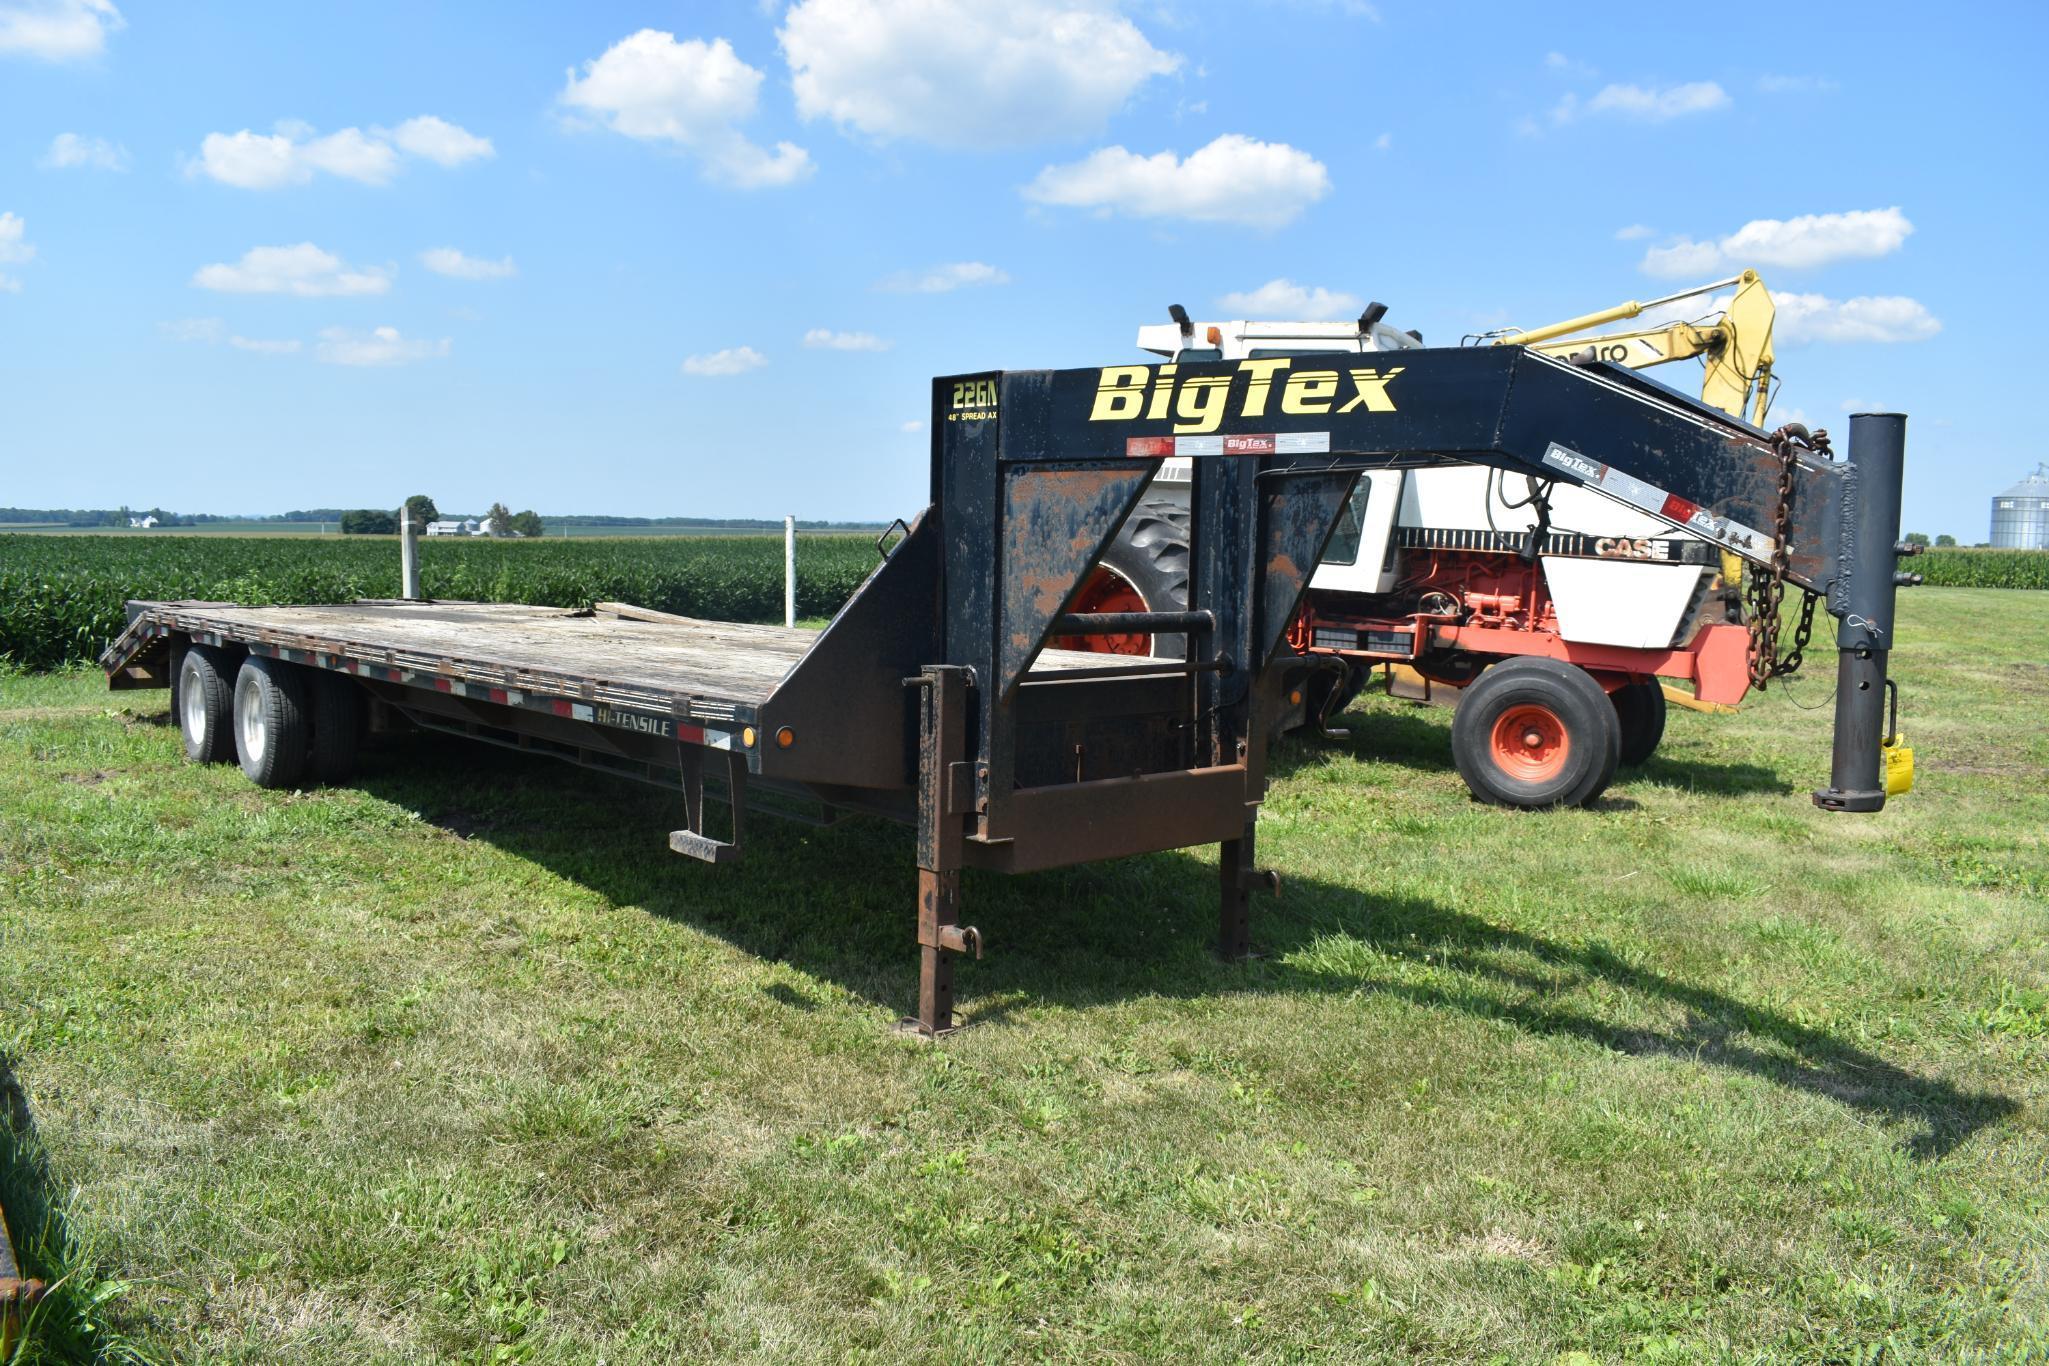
1736	348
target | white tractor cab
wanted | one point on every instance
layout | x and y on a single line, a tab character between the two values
1555	609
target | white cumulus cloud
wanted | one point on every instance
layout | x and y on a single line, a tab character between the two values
14	245
1869	318
1635	232
304	270
448	261
966	73
293	154
58	30
212	332
1801	243
378	346
15	249
439	141
734	360
1797	85
194	330
288	346
1644	103
68	150
1234	179
266	161
1283	299
825	339
944	279
688	94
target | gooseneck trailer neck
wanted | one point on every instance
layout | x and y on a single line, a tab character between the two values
932	697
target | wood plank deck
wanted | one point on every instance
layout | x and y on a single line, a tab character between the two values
624	654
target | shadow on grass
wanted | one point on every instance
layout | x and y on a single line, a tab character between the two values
1418	736
838	903
68	1323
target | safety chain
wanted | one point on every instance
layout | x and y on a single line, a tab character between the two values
1766	591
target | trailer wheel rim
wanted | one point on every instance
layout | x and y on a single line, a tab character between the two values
1106	590
1529	743
249	721
192	693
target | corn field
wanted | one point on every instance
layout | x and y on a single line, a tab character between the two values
1956	568
61	596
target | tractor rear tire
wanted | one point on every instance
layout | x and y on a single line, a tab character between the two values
335	711
1149	558
1640	706
205	705
1535	732
271	732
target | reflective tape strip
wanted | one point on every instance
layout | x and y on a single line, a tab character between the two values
1656	501
1247	443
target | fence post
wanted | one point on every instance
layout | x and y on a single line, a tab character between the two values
790	570
408	555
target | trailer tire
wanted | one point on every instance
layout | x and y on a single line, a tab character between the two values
1535	732
1640	706
270	721
205	703
334	707
1148	560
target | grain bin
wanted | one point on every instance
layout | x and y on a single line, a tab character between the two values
2020	515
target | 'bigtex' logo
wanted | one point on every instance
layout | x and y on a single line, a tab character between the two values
1200	403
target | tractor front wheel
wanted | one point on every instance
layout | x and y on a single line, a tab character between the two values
1534	732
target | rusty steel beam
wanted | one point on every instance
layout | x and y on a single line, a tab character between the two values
943	798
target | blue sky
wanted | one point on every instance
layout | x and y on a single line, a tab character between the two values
703	259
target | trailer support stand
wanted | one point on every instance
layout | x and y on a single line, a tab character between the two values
1237	875
1863	601
942	744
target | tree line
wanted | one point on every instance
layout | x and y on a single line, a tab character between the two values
499	521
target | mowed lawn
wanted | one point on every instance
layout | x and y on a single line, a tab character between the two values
460	1062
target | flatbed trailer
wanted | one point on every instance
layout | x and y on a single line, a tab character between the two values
932	696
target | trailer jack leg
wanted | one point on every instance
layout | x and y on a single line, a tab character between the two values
942	802
940	937
1237	878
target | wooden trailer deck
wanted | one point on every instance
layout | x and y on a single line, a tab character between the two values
616	653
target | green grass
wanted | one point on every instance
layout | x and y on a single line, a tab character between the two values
459	1062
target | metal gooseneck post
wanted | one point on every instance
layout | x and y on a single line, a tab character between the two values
1878	443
